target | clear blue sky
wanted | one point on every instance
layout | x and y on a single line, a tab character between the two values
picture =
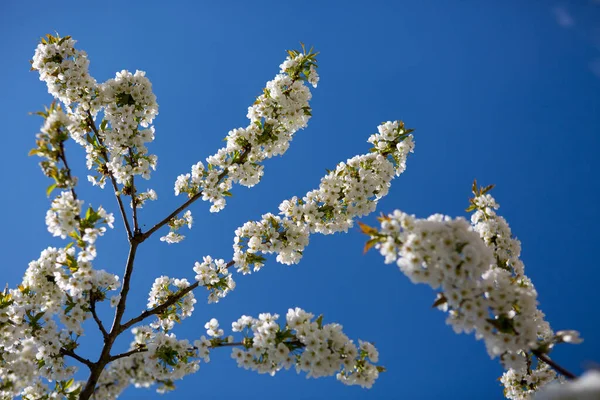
506	92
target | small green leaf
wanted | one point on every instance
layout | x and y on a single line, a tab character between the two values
50	189
68	383
319	321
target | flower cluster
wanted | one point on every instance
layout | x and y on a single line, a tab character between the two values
161	292
156	358
351	190
118	146
129	104
57	287
215	277
482	285
175	224
65	71
64	219
142	197
275	117
50	146
317	349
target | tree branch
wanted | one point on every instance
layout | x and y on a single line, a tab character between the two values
92	125
136	227
166	220
63	157
72	354
116	326
162	307
127	354
544	358
98	321
192	199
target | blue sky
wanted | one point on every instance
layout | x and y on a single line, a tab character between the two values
505	92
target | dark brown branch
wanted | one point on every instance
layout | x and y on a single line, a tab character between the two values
544	358
160	308
166	220
164	306
63	157
136	228
116	326
72	354
95	316
127	354
92	125
185	205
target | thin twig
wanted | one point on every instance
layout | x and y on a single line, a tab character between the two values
116	329
136	227
127	354
92	125
72	354
192	199
63	157
162	307
98	321
543	357
166	220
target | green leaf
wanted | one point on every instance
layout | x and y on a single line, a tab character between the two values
487	189
50	189
68	383
319	321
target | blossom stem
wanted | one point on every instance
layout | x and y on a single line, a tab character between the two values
544	358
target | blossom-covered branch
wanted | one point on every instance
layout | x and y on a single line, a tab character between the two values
159	358
481	283
351	190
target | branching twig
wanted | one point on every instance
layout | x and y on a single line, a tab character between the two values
162	307
192	199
